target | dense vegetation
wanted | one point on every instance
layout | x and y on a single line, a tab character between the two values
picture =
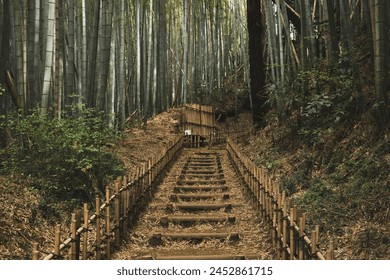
67	160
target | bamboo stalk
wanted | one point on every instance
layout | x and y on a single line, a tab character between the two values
284	226
78	236
108	226
125	206
57	239
313	243
292	234
117	213
85	234
330	251
72	254
301	241
98	233
35	251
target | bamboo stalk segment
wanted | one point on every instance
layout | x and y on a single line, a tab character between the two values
98	228
292	234
72	253
35	251
117	213
330	251
301	241
57	240
85	234
108	225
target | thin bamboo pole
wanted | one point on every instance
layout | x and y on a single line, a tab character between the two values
301	241
57	239
35	252
117	213
78	237
108	225
72	253
292	233
98	228
125	206
330	251
85	234
284	226
313	246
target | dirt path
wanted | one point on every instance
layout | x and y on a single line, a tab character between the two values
199	212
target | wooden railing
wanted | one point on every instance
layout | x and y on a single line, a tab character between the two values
95	236
286	223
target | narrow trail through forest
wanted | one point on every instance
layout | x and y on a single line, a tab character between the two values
199	211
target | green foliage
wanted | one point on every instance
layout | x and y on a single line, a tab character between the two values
68	158
316	195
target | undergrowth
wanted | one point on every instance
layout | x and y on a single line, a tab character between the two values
67	160
333	160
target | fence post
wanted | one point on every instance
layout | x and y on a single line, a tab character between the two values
125	205
98	233
330	251
35	252
117	213
85	234
284	225
108	225
300	241
313	247
292	233
73	246
57	239
78	237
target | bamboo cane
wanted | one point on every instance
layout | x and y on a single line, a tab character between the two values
72	253
35	252
292	233
57	239
85	234
98	228
108	226
117	213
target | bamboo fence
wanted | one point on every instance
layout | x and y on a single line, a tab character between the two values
200	120
286	223
95	236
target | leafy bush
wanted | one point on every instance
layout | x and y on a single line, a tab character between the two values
67	158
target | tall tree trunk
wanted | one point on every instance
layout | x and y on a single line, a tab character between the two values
70	76
92	59
20	74
49	57
122	74
256	33
5	50
381	63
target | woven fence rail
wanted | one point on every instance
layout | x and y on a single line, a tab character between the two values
286	223
95	236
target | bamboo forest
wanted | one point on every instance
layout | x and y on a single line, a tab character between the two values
194	129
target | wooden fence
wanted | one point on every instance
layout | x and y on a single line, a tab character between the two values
286	223
200	120
93	237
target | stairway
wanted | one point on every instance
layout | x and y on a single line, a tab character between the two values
199	212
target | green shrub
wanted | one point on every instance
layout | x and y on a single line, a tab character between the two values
69	159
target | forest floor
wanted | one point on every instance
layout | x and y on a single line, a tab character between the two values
343	183
341	180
